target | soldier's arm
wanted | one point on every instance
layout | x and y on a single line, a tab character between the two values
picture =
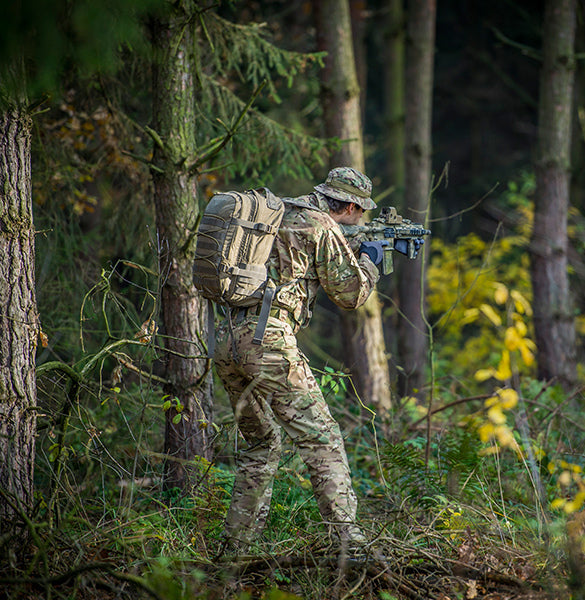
348	280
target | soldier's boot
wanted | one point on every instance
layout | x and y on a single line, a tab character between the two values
353	544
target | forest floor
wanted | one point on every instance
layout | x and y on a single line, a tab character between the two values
298	577
382	579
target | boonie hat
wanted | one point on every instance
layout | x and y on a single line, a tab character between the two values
348	185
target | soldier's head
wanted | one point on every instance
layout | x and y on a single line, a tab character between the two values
346	184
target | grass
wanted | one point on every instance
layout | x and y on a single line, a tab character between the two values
105	527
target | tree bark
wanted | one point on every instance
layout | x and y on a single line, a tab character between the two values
366	351
19	325
392	133
394	117
420	42
553	316
357	15
578	126
175	195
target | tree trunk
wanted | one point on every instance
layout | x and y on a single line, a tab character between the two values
392	134
357	15
393	52
366	351
578	126
175	188
420	42
553	317
19	326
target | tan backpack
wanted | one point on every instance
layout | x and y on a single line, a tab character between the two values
234	241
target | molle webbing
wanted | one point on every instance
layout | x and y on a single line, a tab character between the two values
234	241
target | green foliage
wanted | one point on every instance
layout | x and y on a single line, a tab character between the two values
84	188
334	382
262	148
246	50
235	59
454	458
52	36
294	515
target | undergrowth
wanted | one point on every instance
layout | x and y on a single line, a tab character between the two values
106	527
485	490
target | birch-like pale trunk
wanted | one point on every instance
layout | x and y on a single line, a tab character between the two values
362	329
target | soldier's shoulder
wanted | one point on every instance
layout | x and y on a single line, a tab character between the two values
306	209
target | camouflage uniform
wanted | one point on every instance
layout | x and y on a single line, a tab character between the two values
271	385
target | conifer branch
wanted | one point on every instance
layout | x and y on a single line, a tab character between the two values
523	48
155	137
246	50
294	150
143	160
215	150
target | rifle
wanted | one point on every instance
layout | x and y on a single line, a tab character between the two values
389	226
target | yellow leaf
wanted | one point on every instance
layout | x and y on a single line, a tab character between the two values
469	316
421	411
575	504
580	325
501	293
558	503
512	339
521	327
565	478
484	374
486	432
492	401
505	437
491	314
504	372
551	467
539	453
495	415
304	482
522	305
495	449
526	354
508	398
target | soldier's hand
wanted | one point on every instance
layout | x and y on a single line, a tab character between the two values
375	250
418	244
402	246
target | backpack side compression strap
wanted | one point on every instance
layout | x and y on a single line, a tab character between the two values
269	292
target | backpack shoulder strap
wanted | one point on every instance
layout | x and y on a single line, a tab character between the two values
301	204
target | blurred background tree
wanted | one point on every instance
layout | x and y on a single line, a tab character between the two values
362	329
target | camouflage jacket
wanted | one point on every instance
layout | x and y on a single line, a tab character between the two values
310	251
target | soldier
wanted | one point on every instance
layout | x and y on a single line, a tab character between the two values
271	385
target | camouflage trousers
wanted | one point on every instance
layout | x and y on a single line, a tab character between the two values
271	386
